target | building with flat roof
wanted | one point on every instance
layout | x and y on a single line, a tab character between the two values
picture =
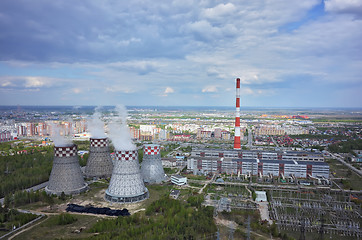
178	180
261	155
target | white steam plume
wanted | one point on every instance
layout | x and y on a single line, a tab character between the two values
58	139
96	125
119	132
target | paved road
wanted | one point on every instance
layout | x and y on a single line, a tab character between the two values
293	187
34	188
275	142
339	158
264	212
170	154
211	180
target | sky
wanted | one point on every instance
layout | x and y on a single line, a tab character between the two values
287	53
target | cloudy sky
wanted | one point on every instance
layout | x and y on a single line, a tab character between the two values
287	53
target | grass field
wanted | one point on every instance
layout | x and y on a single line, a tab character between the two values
49	229
351	179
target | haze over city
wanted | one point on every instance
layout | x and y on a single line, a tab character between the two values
181	53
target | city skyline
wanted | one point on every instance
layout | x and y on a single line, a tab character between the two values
184	53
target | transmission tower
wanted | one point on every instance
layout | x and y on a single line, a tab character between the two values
248	228
302	229
321	229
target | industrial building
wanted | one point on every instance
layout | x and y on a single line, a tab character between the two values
299	169
151	168
178	180
126	185
261	155
99	163
66	175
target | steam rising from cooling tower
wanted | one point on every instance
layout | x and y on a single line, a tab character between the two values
59	139
126	185
96	125
119	132
99	163
237	143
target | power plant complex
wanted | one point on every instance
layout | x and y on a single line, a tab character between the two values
151	168
99	164
127	184
66	175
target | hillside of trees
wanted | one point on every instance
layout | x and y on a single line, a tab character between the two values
22	171
163	219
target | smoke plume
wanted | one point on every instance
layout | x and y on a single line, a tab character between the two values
119	132
96	125
58	136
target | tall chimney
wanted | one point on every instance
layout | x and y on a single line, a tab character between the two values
237	144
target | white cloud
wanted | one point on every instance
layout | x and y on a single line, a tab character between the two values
343	6
169	90
31	82
210	89
76	90
115	89
221	10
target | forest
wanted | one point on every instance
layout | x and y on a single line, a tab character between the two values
346	146
22	171
11	217
163	219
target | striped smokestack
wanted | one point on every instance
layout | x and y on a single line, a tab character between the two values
237	144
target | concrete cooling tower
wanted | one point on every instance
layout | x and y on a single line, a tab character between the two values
66	175
99	163
151	168
126	185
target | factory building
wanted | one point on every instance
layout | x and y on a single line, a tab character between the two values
261	155
299	169
178	180
66	175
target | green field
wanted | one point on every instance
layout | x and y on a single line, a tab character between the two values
350	179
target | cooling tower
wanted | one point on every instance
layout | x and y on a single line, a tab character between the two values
151	168
66	175
99	163
126	185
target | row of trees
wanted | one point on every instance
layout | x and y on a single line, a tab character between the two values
11	217
164	219
20	198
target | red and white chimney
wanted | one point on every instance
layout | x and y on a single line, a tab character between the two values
237	143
